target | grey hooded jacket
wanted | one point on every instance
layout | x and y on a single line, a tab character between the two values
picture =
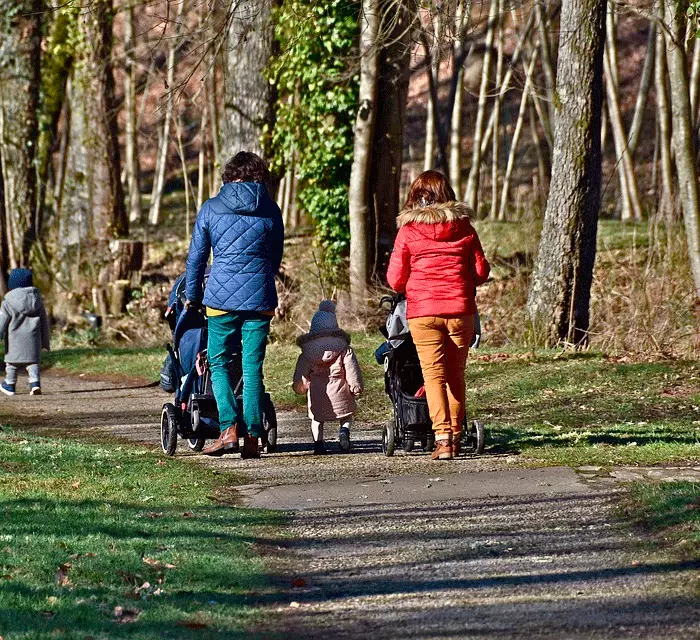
25	325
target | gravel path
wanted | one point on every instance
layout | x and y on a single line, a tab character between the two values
405	548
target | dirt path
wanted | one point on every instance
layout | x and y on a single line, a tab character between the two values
405	548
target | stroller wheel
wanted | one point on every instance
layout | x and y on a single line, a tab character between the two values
475	437
407	444
168	429
429	442
389	439
270	424
196	444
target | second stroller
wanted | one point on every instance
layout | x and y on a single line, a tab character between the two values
403	383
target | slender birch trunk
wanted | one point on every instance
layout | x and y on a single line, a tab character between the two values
358	193
131	161
683	134
643	93
516	134
663	116
162	158
462	14
547	58
470	196
495	150
432	112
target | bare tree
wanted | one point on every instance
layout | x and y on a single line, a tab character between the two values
559	297
683	141
663	116
20	54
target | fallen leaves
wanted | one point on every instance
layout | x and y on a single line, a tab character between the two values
61	578
298	583
157	564
188	624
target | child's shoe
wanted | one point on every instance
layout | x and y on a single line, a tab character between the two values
7	389
344	439
34	389
319	448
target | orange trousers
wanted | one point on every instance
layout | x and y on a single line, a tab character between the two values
443	346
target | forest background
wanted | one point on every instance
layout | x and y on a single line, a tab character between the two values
116	117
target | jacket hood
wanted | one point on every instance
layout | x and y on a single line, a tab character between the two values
446	221
324	335
25	300
325	350
242	197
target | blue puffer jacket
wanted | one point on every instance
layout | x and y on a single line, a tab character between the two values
243	227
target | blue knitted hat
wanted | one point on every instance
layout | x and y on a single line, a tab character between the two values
20	278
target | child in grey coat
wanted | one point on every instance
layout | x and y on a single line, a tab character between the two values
25	327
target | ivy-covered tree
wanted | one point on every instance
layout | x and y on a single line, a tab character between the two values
315	75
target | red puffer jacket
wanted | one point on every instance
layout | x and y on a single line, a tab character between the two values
437	261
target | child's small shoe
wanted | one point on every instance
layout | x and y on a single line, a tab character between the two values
7	389
319	448
344	440
34	389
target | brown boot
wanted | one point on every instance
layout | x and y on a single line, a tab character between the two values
226	443
443	450
251	448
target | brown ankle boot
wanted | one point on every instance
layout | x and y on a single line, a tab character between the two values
456	444
251	449
443	450
226	443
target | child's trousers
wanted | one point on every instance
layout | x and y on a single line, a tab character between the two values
11	372
317	427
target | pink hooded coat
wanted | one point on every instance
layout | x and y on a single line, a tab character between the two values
328	370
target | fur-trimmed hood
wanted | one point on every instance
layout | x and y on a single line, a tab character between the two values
435	214
441	222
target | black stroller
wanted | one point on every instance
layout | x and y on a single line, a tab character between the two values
193	414
402	379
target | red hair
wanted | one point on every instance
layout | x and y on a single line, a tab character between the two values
429	188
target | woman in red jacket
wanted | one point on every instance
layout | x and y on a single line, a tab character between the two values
438	262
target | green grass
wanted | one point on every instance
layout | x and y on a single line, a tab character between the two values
89	528
124	361
671	512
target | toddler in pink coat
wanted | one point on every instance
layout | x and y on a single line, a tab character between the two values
328	372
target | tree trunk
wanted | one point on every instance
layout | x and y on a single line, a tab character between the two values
109	219
516	135
547	58
462	15
387	146
495	151
631	207
164	141
663	116
559	297
359	189
683	140
4	258
432	111
470	196
643	93
20	54
131	133
248	95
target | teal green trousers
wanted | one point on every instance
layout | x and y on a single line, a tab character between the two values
228	333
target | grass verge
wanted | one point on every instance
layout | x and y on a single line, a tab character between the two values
550	407
670	512
114	541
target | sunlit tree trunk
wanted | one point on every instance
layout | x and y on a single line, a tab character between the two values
559	297
20	54
643	94
358	193
683	140
663	115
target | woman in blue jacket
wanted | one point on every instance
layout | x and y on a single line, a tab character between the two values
242	227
